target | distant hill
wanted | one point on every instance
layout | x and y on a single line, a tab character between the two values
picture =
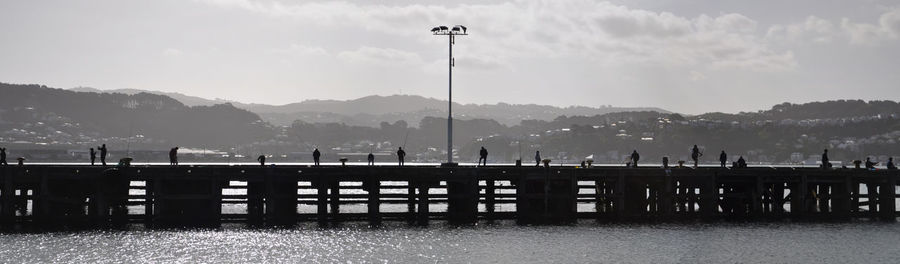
36	116
372	110
813	110
184	99
70	117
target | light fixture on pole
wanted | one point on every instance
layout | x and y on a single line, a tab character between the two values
451	33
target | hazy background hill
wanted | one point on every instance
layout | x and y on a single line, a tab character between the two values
69	117
813	110
372	110
35	117
184	99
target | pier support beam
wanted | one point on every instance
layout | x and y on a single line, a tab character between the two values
322	187
422	210
372	185
7	197
709	198
547	198
462	199
185	199
280	199
888	198
490	204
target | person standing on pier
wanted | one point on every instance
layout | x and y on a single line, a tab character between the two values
482	156
634	158
741	163
665	162
3	156
400	155
825	162
890	164
537	158
262	160
695	155
316	156
723	158
173	156
870	165
93	156
103	152
371	159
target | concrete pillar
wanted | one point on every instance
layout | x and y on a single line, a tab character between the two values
256	191
280	199
422	211
490	190
7	198
888	198
462	199
372	186
321	201
709	198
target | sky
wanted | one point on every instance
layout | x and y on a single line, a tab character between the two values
688	56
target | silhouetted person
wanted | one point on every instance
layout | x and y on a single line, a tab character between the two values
741	163
537	158
482	156
695	155
870	164
173	156
93	156
634	158
890	164
665	162
21	161
825	162
371	159
723	158
262	160
103	152
400	155
316	156
3	156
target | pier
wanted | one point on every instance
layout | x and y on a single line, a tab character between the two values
50	196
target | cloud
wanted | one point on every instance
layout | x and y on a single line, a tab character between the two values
888	28
381	56
890	21
697	76
299	50
171	52
819	30
559	28
631	23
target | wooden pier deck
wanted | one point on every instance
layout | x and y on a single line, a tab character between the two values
47	196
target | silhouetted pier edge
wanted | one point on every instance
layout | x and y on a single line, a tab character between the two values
192	196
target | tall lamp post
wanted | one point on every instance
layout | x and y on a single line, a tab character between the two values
451	33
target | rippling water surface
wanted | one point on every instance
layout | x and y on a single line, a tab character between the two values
506	243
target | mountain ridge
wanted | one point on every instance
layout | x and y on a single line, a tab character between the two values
373	109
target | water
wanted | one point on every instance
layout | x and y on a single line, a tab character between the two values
586	242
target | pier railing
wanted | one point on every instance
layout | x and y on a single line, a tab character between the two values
166	196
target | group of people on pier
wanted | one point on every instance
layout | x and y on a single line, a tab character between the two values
103	152
632	161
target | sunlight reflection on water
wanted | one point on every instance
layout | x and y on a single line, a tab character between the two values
439	243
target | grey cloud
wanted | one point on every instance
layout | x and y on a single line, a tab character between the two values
294	50
819	30
383	56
